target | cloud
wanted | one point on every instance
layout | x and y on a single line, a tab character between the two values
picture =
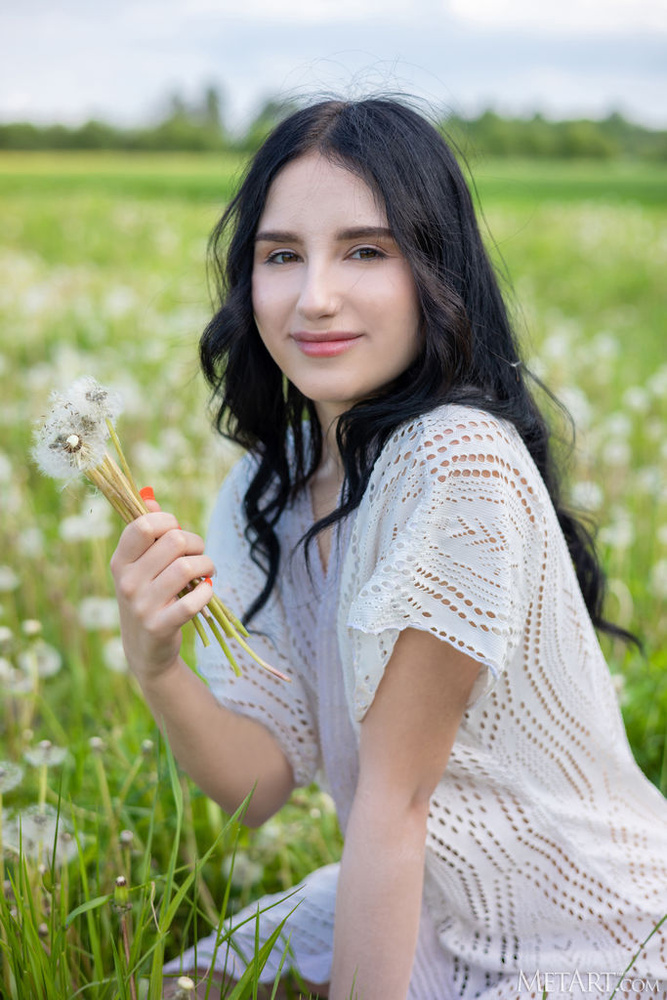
118	60
597	17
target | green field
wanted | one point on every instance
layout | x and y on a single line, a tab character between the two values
103	274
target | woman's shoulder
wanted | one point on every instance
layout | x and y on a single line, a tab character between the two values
453	435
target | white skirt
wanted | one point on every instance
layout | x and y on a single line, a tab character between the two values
305	945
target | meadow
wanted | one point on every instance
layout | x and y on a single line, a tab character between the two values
103	273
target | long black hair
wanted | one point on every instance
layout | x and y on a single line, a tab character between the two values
469	353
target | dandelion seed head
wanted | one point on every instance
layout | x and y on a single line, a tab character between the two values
587	495
617	425
659	578
31	542
35	831
619	534
45	754
617	453
126	838
604	346
6	669
97	744
41	658
637	399
9	580
5	468
6	636
20	683
73	437
98	613
241	870
11	775
31	627
147	747
657	383
114	657
94	401
619	683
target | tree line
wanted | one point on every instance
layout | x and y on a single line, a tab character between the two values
200	126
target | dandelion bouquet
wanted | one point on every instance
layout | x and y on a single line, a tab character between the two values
73	441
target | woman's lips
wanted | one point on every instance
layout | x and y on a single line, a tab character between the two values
325	345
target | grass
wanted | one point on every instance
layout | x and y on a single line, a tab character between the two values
102	259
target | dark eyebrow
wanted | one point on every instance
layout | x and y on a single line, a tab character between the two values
356	233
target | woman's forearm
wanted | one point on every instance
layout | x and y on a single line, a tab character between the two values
378	902
226	754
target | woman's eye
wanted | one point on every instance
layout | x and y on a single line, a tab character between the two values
367	253
281	257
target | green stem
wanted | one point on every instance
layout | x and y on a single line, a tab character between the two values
42	786
121	455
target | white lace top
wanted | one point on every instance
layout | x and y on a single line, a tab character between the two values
546	846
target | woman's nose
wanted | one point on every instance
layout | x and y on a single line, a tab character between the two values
317	295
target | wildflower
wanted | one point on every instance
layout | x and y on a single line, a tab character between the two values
97	744
659	578
114	657
37	830
619	683
147	747
241	870
649	480
5	468
619	535
617	425
98	613
45	754
10	776
121	895
41	659
30	542
637	398
126	838
8	579
19	682
657	383
587	495
577	403
70	442
604	347
81	527
186	988
31	627
617	453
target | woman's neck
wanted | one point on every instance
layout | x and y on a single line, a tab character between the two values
331	468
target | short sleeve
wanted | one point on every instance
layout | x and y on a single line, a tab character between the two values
284	708
449	539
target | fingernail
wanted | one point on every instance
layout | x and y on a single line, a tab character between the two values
146	493
208	580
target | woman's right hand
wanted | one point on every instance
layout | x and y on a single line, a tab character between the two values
155	560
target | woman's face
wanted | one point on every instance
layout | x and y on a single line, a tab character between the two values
334	299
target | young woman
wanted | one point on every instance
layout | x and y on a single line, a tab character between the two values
395	537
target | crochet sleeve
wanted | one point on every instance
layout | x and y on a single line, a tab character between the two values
284	708
449	539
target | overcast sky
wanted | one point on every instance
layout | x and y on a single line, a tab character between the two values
118	59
